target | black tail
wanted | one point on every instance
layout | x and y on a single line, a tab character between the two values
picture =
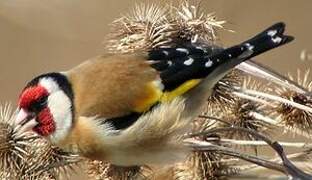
178	65
268	39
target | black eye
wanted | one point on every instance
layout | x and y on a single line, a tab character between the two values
38	105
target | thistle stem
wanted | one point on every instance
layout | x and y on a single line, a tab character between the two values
287	166
264	118
251	98
254	167
251	176
263	143
258	70
206	146
275	122
278	99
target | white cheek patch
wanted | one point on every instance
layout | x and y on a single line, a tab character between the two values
49	84
60	108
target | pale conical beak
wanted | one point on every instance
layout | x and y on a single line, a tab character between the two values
24	122
21	116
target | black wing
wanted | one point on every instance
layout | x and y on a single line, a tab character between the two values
180	64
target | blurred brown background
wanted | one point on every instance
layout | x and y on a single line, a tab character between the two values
39	36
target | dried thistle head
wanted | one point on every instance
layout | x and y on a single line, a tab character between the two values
13	147
203	164
53	160
145	28
199	165
47	160
5	175
43	176
247	113
222	92
304	80
291	116
102	170
97	169
125	173
193	25
150	27
251	83
242	116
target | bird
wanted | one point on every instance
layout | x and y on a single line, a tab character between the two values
133	108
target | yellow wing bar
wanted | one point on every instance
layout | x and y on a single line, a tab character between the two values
155	94
180	90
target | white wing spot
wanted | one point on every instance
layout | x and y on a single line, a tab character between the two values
218	60
249	46
230	55
208	63
201	48
165	52
189	61
169	63
272	33
277	40
183	50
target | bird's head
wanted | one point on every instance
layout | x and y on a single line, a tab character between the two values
45	106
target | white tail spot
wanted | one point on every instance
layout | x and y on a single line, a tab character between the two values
182	50
272	33
277	40
189	61
165	52
208	63
249	46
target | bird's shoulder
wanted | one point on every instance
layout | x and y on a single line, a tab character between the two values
114	85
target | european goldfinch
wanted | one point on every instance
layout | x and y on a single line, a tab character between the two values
131	109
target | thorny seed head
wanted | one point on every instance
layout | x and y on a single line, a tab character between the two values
152	27
16	151
43	176
251	83
125	173
201	164
242	116
102	170
291	116
13	147
97	169
221	95
145	28
192	25
48	160
242	112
